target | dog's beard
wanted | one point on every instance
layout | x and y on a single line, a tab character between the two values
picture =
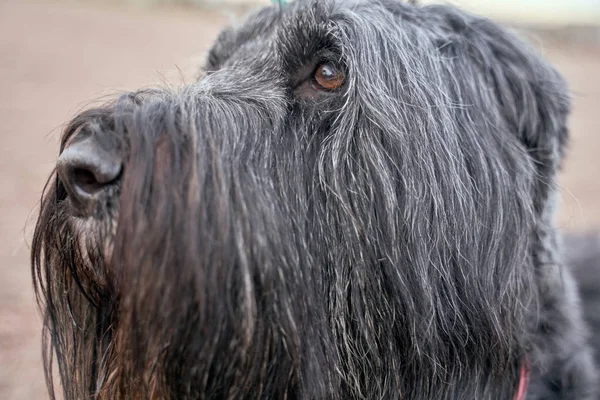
74	286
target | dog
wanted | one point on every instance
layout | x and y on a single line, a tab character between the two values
353	201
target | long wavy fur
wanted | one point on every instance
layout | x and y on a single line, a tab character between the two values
390	240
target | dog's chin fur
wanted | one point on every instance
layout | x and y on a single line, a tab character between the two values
389	239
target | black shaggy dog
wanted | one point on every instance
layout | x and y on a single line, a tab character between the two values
354	202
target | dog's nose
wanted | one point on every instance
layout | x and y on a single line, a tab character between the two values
86	168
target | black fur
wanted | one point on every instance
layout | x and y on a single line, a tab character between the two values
392	238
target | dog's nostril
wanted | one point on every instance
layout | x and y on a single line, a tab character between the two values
87	181
86	168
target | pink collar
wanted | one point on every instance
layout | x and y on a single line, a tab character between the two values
523	382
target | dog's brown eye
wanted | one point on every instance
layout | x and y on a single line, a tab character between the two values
328	77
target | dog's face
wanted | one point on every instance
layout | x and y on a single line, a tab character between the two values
343	205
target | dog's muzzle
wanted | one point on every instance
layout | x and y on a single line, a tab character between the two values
87	168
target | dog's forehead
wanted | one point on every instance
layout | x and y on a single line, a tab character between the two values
297	29
301	25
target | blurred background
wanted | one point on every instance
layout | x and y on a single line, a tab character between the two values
58	55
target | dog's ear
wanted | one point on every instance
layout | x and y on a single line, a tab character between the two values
532	97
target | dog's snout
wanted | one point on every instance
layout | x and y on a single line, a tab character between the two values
86	168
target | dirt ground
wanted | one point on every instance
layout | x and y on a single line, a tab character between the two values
56	56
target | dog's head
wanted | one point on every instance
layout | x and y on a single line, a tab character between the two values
348	203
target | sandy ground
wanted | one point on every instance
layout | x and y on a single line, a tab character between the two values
55	57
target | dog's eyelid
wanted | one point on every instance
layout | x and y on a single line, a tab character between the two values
329	56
